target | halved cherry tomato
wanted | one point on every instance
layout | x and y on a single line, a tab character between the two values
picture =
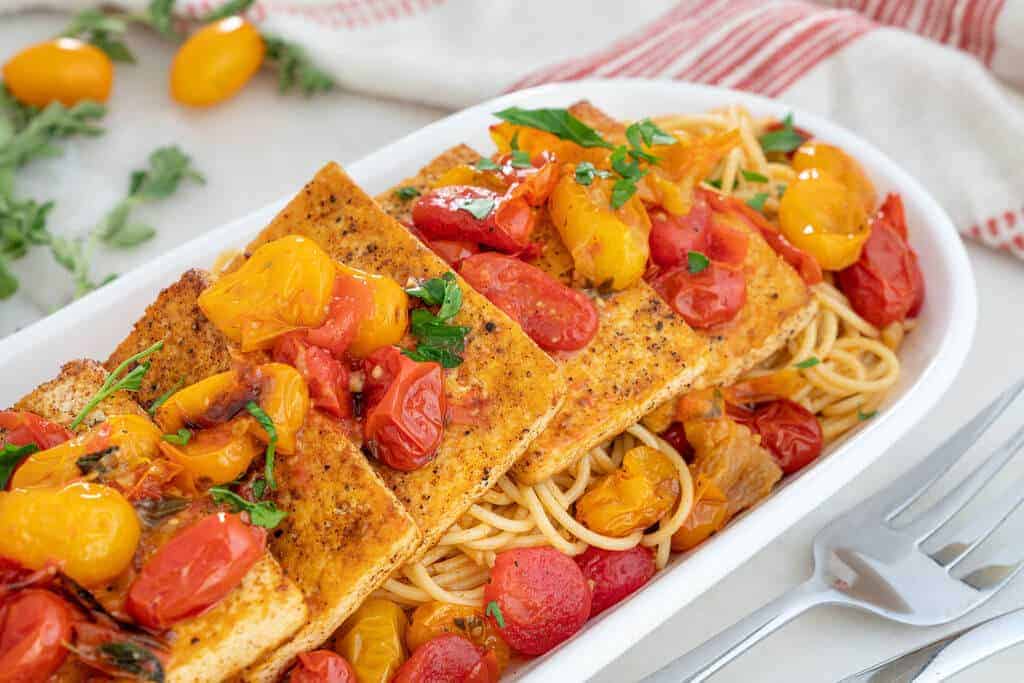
65	70
35	625
449	659
322	666
216	61
453	251
351	302
614	575
788	430
705	299
673	237
886	283
506	221
326	376
24	427
433	619
406	408
553	315
195	569
542	595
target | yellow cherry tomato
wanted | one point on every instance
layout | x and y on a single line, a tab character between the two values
284	397
374	640
216	61
824	218
216	455
89	528
285	285
135	438
709	514
188	404
535	141
632	498
838	164
434	619
386	324
64	70
609	246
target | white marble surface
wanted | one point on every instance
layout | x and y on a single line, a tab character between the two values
262	146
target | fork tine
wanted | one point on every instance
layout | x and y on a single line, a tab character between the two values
961	542
908	488
938	514
989	591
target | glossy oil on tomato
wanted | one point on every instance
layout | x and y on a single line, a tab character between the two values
326	376
615	574
711	297
35	625
709	514
386	317
373	640
284	397
448	659
433	619
24	427
91	528
789	431
674	237
351	302
64	70
217	455
543	597
215	62
443	213
322	666
194	570
406	409
839	165
641	492
556	317
823	217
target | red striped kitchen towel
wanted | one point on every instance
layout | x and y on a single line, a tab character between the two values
932	82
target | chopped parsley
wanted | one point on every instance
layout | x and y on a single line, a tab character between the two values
132	659
408	192
586	172
485	164
10	457
493	610
753	176
785	139
808	363
757	201
115	382
181	438
264	514
630	170
441	291
437	339
862	416
162	398
268	427
649	133
521	159
558	122
480	207
696	262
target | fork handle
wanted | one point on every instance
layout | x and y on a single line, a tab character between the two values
721	649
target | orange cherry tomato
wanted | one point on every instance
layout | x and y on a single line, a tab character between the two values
216	61
709	514
35	625
447	659
705	299
476	214
838	164
24	427
194	570
65	70
556	317
406	408
823	217
322	666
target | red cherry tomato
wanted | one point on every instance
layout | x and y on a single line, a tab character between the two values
886	283
194	570
615	575
676	437
322	666
351	301
406	408
555	316
24	428
790	431
453	251
713	296
326	376
450	213
449	659
673	237
34	625
533	184
542	595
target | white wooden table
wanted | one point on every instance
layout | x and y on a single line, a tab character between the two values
262	146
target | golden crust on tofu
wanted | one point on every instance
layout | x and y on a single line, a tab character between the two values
261	613
193	347
643	354
513	386
345	533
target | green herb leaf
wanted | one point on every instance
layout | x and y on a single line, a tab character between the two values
259	488
785	139
757	201
486	164
586	172
865	416
650	133
265	514
630	170
10	457
162	398
494	610
556	121
479	208
521	159
716	183
407	193
268	427
130	381
228	9
441	291
168	168
753	176
181	438
132	659
36	139
808	363
513	144
102	30
152	510
622	190
294	68
8	281
696	262
159	15
91	462
437	340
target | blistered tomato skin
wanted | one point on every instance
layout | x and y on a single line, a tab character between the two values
215	62
91	528
322	666
217	455
789	431
505	222
35	625
709	514
194	570
556	317
711	297
542	595
448	659
434	619
374	640
326	376
614	575
64	70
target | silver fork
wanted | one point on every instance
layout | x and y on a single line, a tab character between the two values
865	559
